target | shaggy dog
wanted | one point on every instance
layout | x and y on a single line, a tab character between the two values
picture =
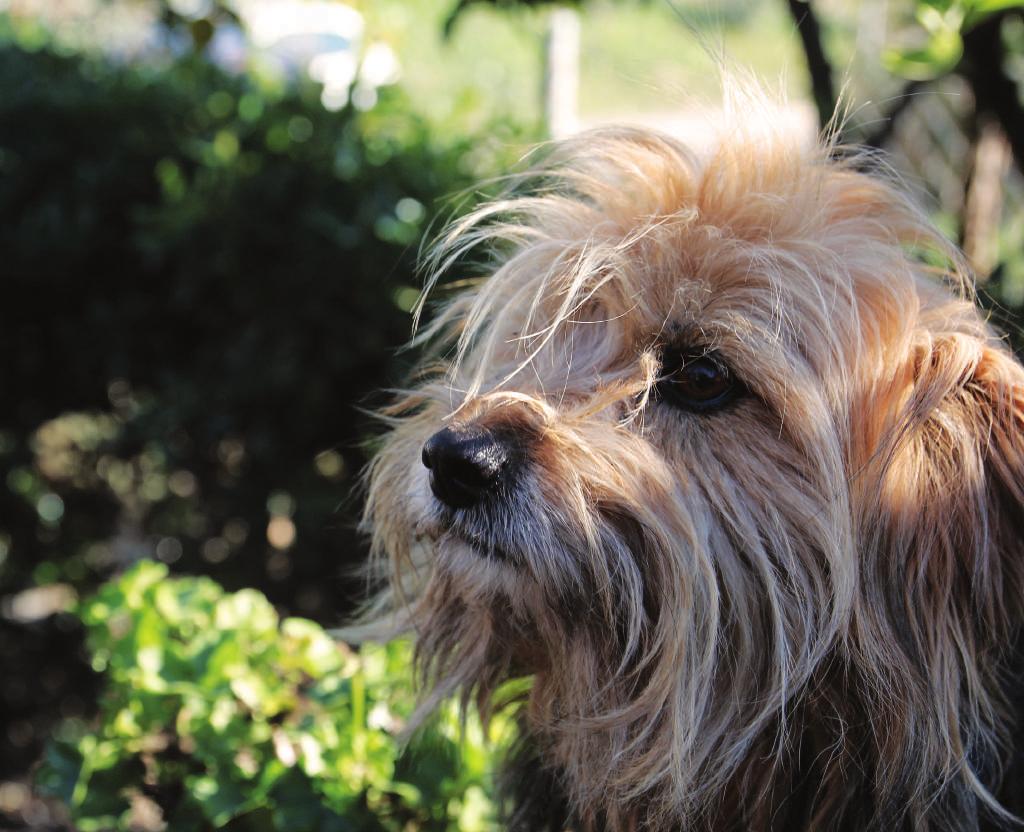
722	464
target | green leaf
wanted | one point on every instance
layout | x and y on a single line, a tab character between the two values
476	813
308	648
296	803
268	725
106	792
58	774
136	584
221	799
940	55
940	15
247	610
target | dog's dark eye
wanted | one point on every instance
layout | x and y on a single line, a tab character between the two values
696	380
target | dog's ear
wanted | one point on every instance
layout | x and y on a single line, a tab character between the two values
939	483
938	498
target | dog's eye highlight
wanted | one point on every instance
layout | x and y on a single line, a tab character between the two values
696	380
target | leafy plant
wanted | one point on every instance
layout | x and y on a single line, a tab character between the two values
943	24
218	714
213	273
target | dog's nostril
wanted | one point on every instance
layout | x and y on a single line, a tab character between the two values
466	462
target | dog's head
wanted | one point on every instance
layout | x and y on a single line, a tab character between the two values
723	456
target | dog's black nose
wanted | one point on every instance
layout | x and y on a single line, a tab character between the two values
466	463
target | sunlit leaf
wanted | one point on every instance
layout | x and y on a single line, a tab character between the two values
941	54
248	609
270	724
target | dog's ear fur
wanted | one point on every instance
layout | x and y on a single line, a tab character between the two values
937	480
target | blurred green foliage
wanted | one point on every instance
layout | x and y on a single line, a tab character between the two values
216	714
206	276
943	24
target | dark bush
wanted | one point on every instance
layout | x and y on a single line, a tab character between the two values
204	276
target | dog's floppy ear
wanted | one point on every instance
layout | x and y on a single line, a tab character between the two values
938	496
941	481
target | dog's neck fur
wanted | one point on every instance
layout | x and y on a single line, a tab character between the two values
828	781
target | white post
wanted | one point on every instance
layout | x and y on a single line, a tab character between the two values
561	72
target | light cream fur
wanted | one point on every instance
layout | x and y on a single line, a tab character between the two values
825	576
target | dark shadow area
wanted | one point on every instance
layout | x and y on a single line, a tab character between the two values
204	281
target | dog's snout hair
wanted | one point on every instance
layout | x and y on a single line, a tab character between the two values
727	462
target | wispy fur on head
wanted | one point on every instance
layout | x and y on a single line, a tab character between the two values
795	612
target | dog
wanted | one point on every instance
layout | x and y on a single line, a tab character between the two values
717	476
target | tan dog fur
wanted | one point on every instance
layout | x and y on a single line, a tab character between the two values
798	612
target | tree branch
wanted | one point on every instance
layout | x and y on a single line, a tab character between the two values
818	67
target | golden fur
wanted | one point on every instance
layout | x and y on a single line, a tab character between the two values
798	612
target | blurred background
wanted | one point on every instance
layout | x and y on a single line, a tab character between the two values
210	215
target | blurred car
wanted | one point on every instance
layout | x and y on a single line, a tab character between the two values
321	38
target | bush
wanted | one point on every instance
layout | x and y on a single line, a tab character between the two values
217	714
211	275
205	277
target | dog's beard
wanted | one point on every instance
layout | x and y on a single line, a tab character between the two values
668	614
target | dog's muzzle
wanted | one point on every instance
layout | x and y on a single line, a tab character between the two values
467	463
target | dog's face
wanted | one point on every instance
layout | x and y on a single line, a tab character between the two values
673	468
